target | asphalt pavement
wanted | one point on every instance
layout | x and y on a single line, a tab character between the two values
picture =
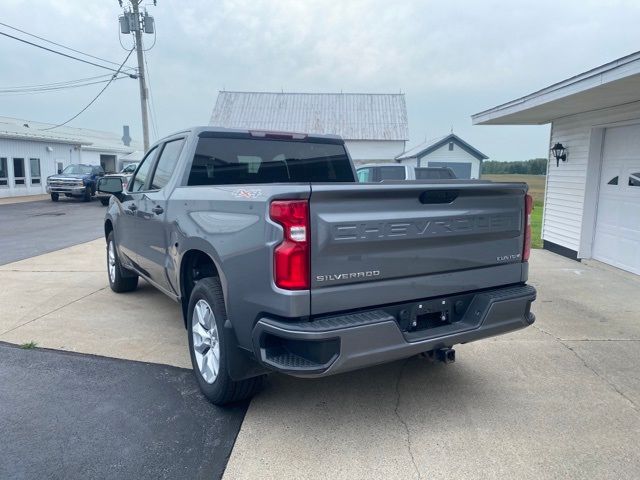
65	416
34	228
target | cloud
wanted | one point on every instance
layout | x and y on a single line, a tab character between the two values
451	59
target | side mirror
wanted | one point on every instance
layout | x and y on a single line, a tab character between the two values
112	185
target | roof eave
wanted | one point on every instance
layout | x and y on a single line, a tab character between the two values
505	114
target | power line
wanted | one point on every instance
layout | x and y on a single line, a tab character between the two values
61	53
58	44
65	82
94	98
59	87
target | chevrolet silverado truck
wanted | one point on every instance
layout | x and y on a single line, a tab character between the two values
76	180
282	261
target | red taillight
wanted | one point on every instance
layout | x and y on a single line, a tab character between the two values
528	208
291	257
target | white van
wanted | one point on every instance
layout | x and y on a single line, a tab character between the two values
377	172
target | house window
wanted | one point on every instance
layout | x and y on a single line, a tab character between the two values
4	174
613	181
34	166
634	180
60	167
18	171
450	146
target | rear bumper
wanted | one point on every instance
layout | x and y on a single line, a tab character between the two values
331	345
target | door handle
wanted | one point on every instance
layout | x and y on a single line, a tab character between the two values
132	207
157	210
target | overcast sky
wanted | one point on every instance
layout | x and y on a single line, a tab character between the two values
450	58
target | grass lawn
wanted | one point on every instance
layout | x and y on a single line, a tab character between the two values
536	190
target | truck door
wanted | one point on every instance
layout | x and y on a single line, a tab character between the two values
153	236
128	238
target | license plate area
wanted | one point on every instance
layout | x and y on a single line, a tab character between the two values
432	314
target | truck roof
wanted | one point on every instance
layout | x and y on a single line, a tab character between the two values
197	130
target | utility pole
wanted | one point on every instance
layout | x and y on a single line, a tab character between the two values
141	79
133	22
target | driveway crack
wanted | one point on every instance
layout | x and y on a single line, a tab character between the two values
52	311
402	420
612	385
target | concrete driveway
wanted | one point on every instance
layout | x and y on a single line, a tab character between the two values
558	400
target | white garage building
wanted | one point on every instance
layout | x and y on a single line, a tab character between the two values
592	201
448	151
374	126
29	153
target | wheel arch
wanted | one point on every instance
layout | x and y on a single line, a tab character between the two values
108	228
197	262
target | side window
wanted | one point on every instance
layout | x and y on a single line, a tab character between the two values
18	171
392	173
4	173
34	166
364	175
139	181
166	163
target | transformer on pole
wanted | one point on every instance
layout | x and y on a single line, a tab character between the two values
132	21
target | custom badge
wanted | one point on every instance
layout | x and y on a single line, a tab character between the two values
247	193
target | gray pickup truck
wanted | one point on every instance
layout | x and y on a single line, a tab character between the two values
281	261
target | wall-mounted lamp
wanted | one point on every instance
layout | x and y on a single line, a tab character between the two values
49	149
559	152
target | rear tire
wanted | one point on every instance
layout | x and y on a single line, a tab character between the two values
207	315
55	197
120	279
104	201
87	194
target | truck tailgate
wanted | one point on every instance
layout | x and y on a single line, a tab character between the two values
386	243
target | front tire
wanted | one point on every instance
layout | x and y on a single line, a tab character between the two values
120	279
87	194
208	348
104	201
55	197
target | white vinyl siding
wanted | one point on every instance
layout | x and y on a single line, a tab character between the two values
457	155
564	211
27	149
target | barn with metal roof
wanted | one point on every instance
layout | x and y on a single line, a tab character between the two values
374	126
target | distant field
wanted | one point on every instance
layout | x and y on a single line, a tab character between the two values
536	190
536	183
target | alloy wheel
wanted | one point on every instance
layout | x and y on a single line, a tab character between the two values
206	343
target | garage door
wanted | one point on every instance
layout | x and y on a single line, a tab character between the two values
617	237
462	170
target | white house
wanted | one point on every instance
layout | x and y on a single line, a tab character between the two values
592	201
448	151
31	151
374	126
